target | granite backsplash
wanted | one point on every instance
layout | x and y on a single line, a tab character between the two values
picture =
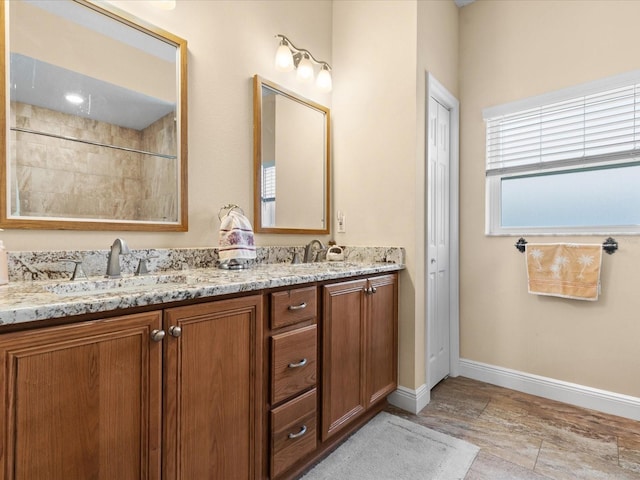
52	265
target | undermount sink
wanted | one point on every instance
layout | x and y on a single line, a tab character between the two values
112	285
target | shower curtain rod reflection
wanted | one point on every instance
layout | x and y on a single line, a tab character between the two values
610	245
90	142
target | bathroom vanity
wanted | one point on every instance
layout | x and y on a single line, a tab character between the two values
198	374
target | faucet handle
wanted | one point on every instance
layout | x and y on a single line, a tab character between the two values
321	254
143	265
78	271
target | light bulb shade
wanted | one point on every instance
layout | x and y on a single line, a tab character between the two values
323	81
284	58
305	69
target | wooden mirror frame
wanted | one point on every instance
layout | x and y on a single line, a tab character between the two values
258	83
181	225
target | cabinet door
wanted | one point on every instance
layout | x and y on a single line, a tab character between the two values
342	355
212	390
82	401
382	338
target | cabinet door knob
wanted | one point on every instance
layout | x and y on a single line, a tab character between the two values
301	363
157	335
302	431
370	290
175	331
298	307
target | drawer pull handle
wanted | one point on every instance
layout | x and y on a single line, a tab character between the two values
302	431
298	307
301	363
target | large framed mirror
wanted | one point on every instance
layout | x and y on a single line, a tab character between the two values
292	152
94	126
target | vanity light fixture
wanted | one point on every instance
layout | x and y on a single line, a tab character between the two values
324	81
288	57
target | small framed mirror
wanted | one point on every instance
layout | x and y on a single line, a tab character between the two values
94	121
292	152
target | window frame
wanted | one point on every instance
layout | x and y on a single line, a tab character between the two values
493	199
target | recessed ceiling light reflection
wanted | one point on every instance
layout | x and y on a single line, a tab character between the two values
74	98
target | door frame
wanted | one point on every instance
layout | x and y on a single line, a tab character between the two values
436	90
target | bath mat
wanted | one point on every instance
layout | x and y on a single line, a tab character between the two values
392	448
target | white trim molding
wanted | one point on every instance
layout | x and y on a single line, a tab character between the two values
571	393
581	90
410	400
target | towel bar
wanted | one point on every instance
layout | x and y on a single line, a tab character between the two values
610	245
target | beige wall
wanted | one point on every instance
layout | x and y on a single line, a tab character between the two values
374	119
228	43
382	50
300	164
512	50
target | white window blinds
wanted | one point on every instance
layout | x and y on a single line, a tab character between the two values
587	129
268	182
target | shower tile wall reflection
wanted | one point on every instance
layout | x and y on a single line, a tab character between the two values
51	177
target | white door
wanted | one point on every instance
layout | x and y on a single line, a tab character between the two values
438	238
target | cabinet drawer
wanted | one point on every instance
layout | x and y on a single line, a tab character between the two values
293	362
293	431
293	306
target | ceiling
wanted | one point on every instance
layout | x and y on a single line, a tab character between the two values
36	82
45	85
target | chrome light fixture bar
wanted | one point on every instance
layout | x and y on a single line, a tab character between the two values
288	57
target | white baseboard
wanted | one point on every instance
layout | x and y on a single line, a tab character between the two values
587	397
410	400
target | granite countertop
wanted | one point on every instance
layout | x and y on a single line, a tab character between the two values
27	301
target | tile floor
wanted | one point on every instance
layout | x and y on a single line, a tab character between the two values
523	437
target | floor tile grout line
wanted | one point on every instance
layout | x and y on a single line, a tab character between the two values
537	456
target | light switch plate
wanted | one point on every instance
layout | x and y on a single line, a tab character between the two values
342	226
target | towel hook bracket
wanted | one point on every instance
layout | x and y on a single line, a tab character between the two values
610	245
520	244
229	206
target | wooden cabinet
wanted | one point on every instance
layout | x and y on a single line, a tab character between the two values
82	401
293	431
359	349
212	390
293	363
92	400
381	345
292	412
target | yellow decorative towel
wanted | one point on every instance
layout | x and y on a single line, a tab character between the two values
564	270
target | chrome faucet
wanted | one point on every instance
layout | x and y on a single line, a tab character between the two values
118	248
311	255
